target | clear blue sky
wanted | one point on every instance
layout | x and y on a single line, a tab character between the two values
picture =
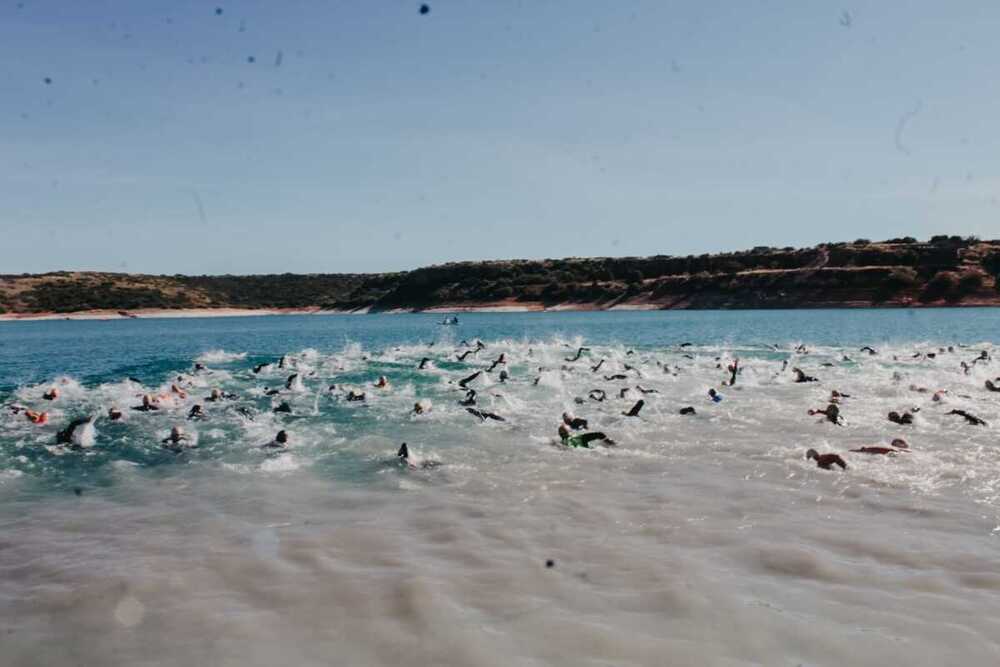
485	129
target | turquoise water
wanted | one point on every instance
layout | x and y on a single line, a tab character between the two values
122	551
99	351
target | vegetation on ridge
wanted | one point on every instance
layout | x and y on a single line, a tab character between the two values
947	270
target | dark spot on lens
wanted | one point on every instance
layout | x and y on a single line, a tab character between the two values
251	60
218	11
425	9
48	81
550	563
78	491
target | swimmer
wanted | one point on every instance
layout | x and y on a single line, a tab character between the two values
196	412
616	376
714	395
884	451
504	375
461	357
902	419
870	350
199	367
284	407
283	361
290	382
594	369
502	359
52	394
421	407
633	369
802	377
280	441
581	440
634	412
464	381
149	404
174	440
247	413
259	367
688	411
76	434
992	385
403	455
835	396
575	423
177	390
40	418
832	413
483	416
423	363
734	368
623	391
826	461
579	353
597	395
470	398
646	391
972	419
382	383
354	395
114	414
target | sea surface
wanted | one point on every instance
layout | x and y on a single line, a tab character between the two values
704	539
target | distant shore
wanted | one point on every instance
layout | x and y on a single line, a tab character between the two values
946	271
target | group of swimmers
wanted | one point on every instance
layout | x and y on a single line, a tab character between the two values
572	431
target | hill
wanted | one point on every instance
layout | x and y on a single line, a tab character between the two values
944	271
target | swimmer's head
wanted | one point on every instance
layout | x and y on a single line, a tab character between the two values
712	392
563	431
899	443
176	433
812	454
282	437
216	394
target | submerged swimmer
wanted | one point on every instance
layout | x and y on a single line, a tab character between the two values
114	414
149	404
39	418
354	395
284	407
280	441
196	412
898	445
502	359
826	461
992	385
423	363
382	382
420	407
504	375
688	411
714	395
52	394
404	456
597	395
470	398
594	369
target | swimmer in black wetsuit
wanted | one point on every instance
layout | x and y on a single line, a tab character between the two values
634	412
579	353
992	385
280	441
464	381
832	413
465	354
483	416
581	440
597	395
469	400
423	363
972	419
802	377
283	407
196	412
596	368
902	419
502	359
575	423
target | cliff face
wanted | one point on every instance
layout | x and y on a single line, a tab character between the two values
943	271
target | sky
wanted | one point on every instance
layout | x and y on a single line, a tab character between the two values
252	136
